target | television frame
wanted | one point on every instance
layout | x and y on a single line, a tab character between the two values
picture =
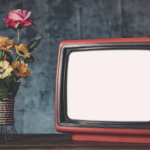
95	130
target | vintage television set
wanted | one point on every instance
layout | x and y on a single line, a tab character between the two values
103	89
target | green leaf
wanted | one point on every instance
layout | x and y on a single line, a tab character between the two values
13	88
33	44
1	54
3	90
11	78
29	60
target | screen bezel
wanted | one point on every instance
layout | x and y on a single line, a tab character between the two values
62	118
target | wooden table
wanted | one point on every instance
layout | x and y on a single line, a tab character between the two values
64	142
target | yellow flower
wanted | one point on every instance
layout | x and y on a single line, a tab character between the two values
22	50
6	44
21	69
5	69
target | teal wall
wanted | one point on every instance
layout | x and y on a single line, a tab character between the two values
65	20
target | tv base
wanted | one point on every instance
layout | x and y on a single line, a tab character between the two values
111	138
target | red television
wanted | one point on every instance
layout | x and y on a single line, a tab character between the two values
103	89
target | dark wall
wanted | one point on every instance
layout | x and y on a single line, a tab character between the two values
65	20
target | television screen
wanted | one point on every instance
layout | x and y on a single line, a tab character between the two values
111	85
102	89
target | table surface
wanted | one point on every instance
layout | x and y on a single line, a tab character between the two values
63	142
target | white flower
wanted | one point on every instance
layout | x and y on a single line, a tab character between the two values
5	69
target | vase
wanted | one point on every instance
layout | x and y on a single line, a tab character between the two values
8	92
7	111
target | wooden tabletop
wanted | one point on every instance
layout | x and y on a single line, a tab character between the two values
63	142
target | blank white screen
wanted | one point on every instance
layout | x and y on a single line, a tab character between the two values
112	85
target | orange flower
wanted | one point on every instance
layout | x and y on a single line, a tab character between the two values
28	71
21	69
6	44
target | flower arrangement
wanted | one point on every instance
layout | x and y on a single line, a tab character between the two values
12	69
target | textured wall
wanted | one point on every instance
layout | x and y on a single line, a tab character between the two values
64	20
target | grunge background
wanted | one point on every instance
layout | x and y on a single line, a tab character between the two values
64	20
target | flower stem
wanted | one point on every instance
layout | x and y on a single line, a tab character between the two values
16	57
3	53
0	55
18	36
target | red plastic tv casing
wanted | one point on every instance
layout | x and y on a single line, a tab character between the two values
102	134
